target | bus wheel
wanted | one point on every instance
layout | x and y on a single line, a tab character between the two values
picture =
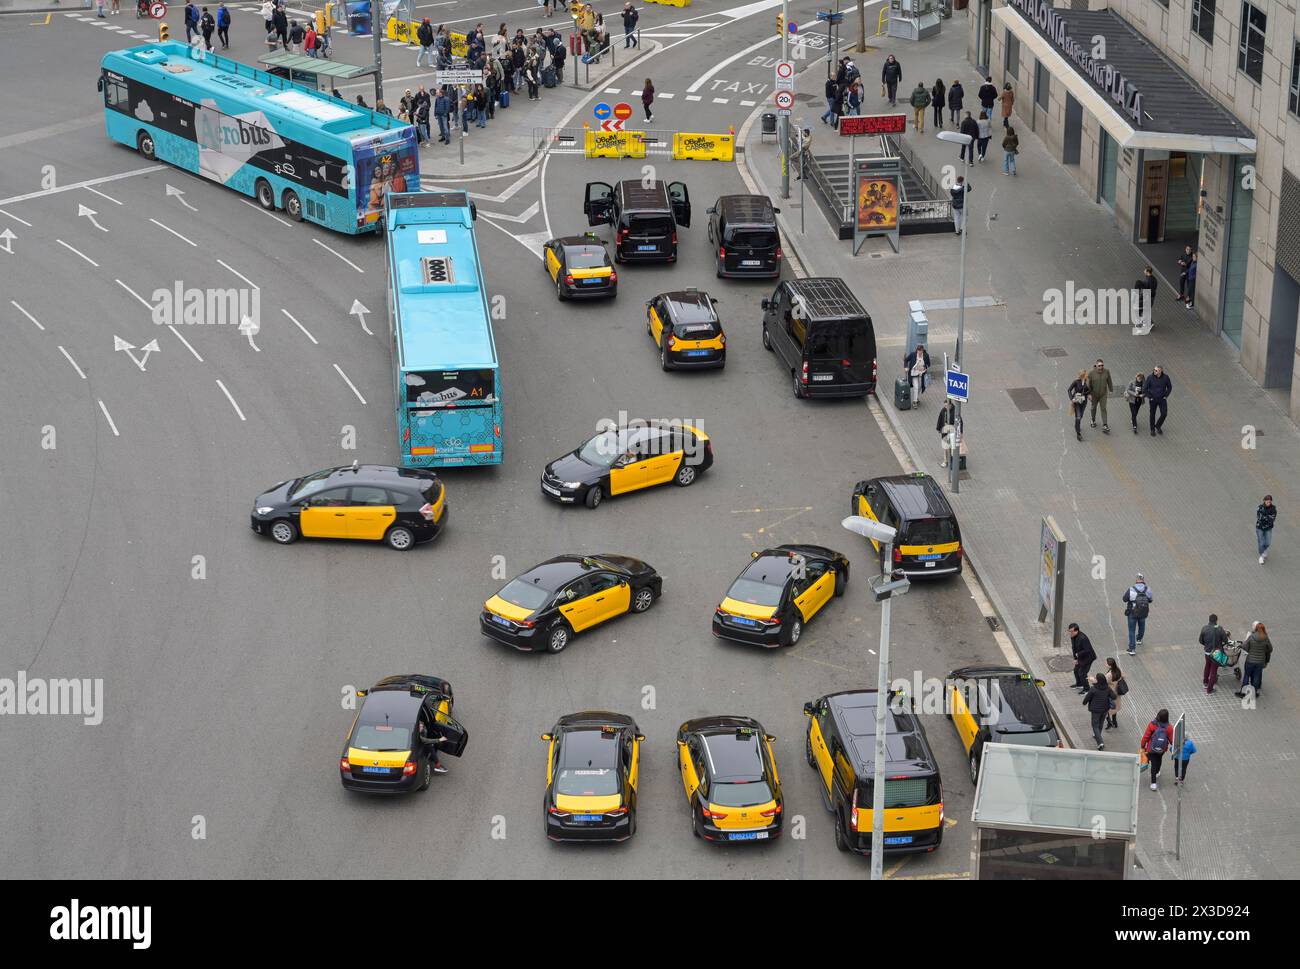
144	145
292	205
265	197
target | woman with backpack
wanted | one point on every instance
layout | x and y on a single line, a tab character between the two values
1115	678
1099	700
1157	740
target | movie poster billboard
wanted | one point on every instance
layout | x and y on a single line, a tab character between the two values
387	164
877	203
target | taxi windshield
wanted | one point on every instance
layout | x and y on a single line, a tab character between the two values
586	257
525	595
740	793
309	485
604	449
381	736
587	782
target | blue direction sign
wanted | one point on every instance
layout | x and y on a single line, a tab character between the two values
602	111
834	18
958	386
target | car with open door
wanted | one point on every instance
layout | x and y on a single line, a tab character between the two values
644	215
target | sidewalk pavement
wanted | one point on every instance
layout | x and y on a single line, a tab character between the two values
1178	507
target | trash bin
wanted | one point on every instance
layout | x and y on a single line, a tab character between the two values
902	392
769	123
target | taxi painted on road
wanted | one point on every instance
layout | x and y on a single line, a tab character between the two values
928	542
402	725
778	593
625	459
592	765
580	267
541	610
372	502
685	327
729	774
999	705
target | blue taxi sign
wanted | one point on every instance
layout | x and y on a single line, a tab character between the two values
958	385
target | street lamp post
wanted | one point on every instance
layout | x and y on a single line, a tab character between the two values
884	589
954	460
785	115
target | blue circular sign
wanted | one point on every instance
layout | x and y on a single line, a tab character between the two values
602	111
792	27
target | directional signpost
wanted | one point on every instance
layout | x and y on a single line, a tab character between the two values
459	76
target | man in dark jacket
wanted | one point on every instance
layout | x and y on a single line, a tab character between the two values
1099	386
915	374
988	95
442	112
1265	516
424	34
955	99
1146	304
958	193
223	26
832	101
207	24
1084	657
970	127
890	75
281	22
191	22
1097	698
939	99
1157	389
1213	638
630	19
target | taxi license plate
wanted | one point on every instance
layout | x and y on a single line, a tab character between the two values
696	353
590	817
374	770
907	840
823	376
647	248
748	836
929	565
931	557
551	491
742	621
499	620
751	262
594	281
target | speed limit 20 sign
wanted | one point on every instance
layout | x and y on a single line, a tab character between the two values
785	100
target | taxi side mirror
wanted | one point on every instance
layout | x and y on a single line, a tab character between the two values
473	212
622	583
769	738
753	555
640	737
1040	683
808	709
546	737
361	693
777	211
765	304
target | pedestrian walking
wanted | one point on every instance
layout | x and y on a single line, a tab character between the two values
1212	639
207	24
323	42
1007	99
920	101
117	8
855	97
1077	393
268	14
1099	698
441	113
988	95
1119	685
99	13
296	36
1184	261
832	92
280	23
955	97
985	129
630	19
1265	518
1010	148
958	193
1156	741
971	129
648	98
1135	394
1259	651
1100	387
916	364
311	42
890	75
1084	657
272	41
1157	389
191	20
939	99
1146	306
223	26
1191	282
1183	759
1137	607
424	34
949	426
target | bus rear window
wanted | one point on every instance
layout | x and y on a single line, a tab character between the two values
450	389
930	531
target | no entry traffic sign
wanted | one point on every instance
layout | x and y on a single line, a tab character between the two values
602	111
785	75
622	111
157	10
785	100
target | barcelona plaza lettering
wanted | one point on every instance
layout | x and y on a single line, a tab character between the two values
1119	88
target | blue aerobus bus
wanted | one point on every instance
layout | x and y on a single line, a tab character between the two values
446	378
314	156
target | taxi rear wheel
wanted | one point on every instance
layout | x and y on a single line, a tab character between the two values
695	819
974	768
685	476
284	532
767	341
643	600
663	356
400	537
426	774
841	841
593	496
798	387
793	631
559	288
558	637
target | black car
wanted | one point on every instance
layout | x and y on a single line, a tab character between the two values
591	777
1000	705
729	775
625	459
580	267
542	609
778	592
644	215
686	329
399	506
743	227
401	726
927	540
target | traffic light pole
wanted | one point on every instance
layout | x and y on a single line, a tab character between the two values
375	17
785	115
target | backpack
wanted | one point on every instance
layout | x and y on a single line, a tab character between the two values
1140	605
1159	742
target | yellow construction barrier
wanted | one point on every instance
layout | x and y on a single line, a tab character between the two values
704	147
614	144
405	32
672	3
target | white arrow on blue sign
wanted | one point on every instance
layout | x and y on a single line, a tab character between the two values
958	386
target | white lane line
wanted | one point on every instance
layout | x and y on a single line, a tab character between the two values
613	90
102	195
339	254
232	401
26	314
240	275
173	232
427	75
300	326
85	184
703	78
15	218
73	362
350	383
264	212
693	97
658	34
109	417
187	343
664	97
721	100
748	104
81	254
147	304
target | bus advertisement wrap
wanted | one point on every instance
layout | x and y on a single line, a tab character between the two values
383	166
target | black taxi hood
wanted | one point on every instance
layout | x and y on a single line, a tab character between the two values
625	562
571	467
276	494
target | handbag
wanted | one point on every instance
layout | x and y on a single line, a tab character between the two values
1122	687
1143	761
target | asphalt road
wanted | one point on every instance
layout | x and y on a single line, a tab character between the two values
222	693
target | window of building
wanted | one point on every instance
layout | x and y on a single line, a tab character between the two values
1042	84
1203	20
1012	65
1250	48
1294	102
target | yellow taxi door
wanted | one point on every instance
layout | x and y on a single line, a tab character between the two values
632	474
656	326
821	755
327	515
634	765
690	781
610	596
578	604
816	594
962	717
552	263
370	513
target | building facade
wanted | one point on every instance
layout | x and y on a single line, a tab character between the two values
1182	118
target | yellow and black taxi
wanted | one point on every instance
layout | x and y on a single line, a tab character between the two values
686	329
629	458
999	705
778	593
372	502
729	773
580	267
591	776
841	747
402	725
541	610
928	540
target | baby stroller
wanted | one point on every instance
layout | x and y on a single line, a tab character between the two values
1229	656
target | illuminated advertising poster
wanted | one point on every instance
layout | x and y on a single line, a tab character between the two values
390	164
877	203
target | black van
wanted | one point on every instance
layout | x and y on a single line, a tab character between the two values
928	539
645	217
743	228
823	336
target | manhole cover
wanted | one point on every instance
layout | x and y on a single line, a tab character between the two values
1054	352
1027	398
1060	664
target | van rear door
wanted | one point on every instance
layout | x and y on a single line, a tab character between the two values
841	352
750	250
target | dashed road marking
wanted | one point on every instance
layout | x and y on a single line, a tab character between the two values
85	184
232	401
264	212
26	314
173	232
693	97
102	195
78	252
240	275
301	327
109	417
349	383
75	367
187	344
147	304
15	218
339	254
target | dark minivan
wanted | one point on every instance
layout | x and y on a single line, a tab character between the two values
644	215
743	228
823	336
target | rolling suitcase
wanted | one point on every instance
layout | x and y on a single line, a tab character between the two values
504	97
548	76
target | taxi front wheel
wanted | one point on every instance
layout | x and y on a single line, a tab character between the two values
593	496
284	532
974	768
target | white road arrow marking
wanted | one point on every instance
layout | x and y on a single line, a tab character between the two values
250	328
8	237
173	190
360	312
148	348
89	213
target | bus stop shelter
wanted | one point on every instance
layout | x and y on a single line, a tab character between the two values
1055	814
317	72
